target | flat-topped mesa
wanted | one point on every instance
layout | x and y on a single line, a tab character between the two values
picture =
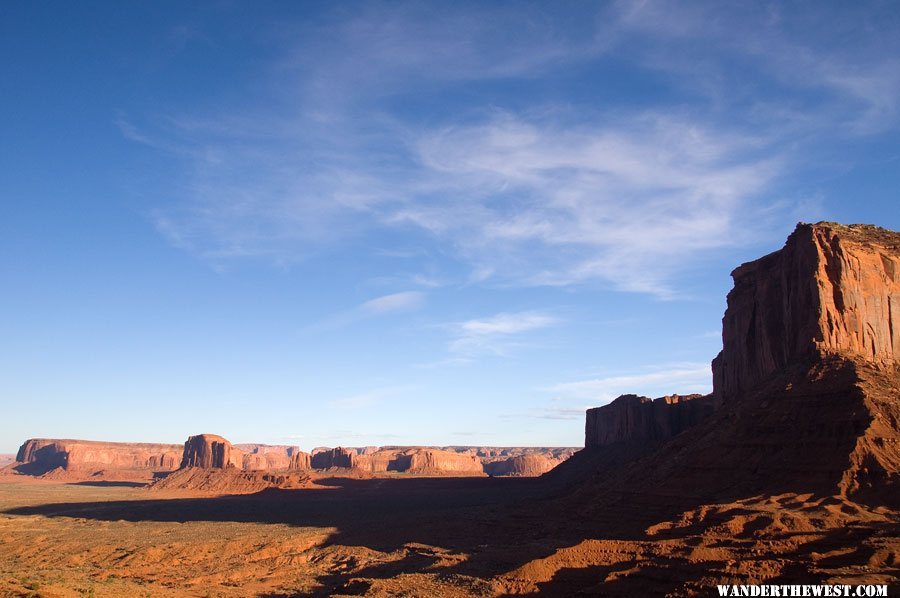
436	461
40	455
528	465
832	289
207	451
328	458
632	418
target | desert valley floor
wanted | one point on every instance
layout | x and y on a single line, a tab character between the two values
424	537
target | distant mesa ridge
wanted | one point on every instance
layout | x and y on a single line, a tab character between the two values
71	459
41	455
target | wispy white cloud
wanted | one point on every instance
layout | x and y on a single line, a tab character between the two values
677	378
541	192
404	301
546	203
860	81
383	305
497	334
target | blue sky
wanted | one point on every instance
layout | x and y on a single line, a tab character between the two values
408	223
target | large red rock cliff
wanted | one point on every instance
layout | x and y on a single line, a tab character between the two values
806	388
831	289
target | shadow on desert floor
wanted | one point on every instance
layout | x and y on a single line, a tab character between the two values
495	526
499	523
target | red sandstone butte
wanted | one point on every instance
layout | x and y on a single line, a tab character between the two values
832	289
207	451
336	457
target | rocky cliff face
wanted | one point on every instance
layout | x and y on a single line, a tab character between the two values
207	451
631	418
831	289
40	455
